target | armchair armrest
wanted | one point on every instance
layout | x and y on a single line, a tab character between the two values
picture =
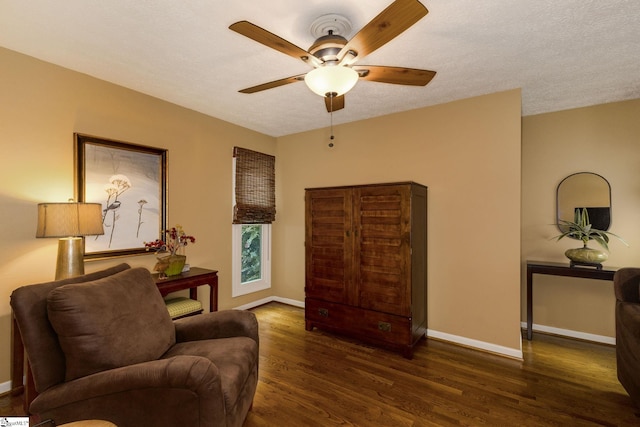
219	324
192	373
626	284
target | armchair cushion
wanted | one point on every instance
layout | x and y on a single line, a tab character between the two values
110	323
234	357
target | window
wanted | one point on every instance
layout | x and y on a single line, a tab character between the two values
253	212
251	258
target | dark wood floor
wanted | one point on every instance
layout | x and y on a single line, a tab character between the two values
317	379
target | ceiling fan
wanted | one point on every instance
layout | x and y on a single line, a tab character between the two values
333	57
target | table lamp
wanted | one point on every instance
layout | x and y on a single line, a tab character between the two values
69	221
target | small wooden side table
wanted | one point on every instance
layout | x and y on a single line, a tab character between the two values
191	280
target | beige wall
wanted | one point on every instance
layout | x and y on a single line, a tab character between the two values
601	139
42	106
468	154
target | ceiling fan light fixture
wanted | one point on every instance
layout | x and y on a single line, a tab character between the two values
335	79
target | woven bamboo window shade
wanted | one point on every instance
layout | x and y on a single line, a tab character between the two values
255	187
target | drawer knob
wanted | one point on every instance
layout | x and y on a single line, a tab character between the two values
384	326
323	312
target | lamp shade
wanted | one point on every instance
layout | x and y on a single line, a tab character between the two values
329	79
69	219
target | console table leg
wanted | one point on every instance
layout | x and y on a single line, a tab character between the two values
213	297
529	303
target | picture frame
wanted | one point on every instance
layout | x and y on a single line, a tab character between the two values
130	182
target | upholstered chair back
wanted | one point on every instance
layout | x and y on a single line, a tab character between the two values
29	304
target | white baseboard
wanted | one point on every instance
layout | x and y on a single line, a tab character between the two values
288	301
5	387
267	300
479	345
603	339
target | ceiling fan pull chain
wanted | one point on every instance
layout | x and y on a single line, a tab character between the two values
331	115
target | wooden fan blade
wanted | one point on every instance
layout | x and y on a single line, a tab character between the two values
271	40
275	83
395	75
337	103
391	22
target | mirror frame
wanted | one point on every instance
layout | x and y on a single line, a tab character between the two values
559	205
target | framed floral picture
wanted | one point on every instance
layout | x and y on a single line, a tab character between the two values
130	181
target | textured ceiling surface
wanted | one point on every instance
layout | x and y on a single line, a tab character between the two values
562	54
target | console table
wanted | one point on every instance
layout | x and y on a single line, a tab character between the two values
191	280
559	269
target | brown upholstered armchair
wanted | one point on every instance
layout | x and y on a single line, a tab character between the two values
102	346
626	284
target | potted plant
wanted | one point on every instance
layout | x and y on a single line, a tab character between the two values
175	240
581	229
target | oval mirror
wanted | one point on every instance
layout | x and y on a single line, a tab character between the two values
584	190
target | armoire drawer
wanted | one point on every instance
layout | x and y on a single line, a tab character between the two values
355	321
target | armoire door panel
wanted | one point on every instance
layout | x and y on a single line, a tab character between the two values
329	245
383	248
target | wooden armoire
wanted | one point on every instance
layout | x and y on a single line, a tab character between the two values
366	263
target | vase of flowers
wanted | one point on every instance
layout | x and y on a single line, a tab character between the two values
175	239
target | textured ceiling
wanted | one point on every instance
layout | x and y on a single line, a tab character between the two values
563	54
